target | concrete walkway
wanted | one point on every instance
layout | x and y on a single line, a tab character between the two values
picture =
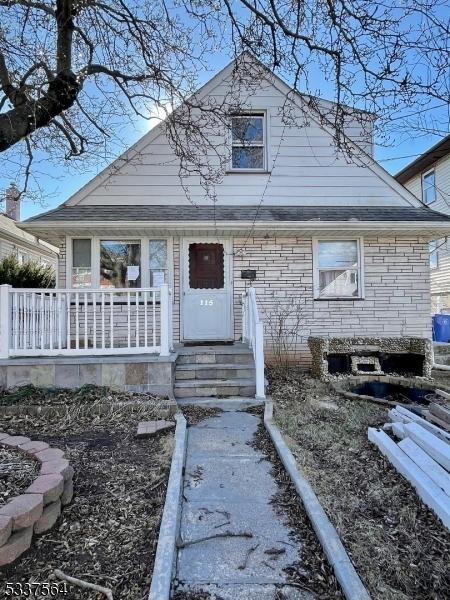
227	490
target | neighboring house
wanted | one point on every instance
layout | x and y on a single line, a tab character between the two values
331	236
428	178
18	242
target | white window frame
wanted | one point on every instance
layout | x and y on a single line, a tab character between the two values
264	145
360	268
429	172
95	257
69	260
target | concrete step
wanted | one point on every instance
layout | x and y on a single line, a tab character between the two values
211	357
215	387
221	371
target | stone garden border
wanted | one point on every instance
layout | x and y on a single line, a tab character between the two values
38	508
335	552
166	550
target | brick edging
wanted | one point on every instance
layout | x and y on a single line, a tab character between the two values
38	508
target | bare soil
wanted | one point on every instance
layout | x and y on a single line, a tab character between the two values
313	572
108	534
399	547
29	395
17	472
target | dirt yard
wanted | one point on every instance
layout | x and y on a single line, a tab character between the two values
108	534
400	549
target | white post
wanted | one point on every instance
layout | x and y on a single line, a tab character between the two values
164	309
258	352
5	320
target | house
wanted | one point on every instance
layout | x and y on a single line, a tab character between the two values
428	178
18	242
323	240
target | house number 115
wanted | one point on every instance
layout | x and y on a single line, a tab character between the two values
206	302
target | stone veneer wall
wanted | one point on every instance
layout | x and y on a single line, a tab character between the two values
397	288
136	374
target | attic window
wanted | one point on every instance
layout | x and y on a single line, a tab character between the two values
248	138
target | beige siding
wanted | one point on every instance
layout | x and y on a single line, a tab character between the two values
442	173
306	168
440	277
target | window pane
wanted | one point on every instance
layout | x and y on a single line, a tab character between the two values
81	277
158	254
120	264
433	254
338	254
338	283
206	266
81	253
429	188
248	158
247	129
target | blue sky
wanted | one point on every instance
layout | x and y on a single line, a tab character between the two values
60	182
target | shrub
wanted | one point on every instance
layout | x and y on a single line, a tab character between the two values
29	274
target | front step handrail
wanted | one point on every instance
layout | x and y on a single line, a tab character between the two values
253	335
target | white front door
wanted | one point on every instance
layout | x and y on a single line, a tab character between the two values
207	294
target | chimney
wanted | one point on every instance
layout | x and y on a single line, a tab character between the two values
12	202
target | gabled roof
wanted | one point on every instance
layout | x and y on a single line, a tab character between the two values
425	160
9	230
361	158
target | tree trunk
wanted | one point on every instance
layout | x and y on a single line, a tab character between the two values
22	120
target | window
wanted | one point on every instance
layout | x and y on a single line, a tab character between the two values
434	255
429	187
81	263
206	266
22	257
337	269
158	262
120	264
248	142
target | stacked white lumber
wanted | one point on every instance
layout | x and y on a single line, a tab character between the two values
422	455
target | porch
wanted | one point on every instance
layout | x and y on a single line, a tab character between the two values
121	338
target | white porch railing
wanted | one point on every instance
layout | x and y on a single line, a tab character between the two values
47	322
253	335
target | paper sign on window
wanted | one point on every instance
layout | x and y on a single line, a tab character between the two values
132	273
158	278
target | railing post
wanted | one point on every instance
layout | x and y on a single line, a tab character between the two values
244	317
258	352
5	320
165	325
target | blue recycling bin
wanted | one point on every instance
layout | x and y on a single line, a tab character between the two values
441	328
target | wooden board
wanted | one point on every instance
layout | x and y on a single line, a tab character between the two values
440	411
429	442
431	494
429	466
